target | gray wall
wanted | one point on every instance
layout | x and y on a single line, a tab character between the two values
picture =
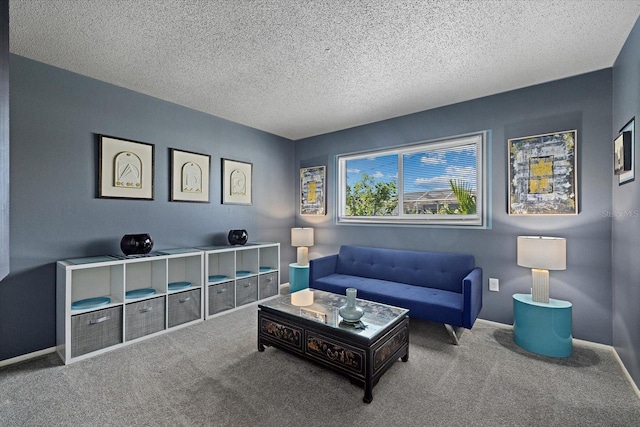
583	103
626	208
55	116
4	138
55	214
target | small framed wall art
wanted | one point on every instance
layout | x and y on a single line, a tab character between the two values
542	174
236	182
189	176
125	169
312	191
624	153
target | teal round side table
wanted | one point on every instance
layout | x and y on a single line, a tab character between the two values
298	277
542	328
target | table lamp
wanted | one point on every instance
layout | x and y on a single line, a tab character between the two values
302	238
542	254
302	298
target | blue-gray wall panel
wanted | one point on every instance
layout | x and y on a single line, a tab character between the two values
582	103
626	212
55	214
4	138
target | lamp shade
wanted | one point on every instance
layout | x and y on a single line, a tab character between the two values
302	237
545	253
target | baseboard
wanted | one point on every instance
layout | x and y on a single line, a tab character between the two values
597	345
593	344
28	356
612	349
634	386
39	353
494	324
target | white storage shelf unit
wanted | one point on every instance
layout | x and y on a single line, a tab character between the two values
240	275
170	286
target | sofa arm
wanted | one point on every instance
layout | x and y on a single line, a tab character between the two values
320	267
472	297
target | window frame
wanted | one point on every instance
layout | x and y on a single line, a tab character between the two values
478	220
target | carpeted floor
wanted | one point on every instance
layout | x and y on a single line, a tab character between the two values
211	374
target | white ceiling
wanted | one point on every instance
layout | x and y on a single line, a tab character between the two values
298	68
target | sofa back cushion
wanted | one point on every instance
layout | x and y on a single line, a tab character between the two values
429	269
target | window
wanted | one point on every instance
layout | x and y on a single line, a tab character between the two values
435	182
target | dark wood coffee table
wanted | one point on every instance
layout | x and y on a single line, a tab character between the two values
362	351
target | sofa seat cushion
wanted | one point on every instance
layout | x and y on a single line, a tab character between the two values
424	303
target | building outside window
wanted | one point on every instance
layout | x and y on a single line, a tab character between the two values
434	182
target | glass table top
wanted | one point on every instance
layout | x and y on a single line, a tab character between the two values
325	308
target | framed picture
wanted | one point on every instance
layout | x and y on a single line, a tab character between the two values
626	143
236	182
318	316
189	176
312	191
125	169
622	153
542	174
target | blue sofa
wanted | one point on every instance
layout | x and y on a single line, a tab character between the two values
440	287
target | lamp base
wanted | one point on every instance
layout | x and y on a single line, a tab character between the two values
540	289
302	298
303	255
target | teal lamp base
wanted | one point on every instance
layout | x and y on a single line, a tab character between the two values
542	328
298	277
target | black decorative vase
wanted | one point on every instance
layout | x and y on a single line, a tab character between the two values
136	244
238	237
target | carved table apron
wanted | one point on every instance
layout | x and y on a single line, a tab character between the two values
363	360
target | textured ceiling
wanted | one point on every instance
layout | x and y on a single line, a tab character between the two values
299	68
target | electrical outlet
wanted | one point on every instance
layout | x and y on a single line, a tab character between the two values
494	285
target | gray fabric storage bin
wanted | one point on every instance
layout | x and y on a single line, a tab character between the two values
268	285
184	307
95	330
246	290
143	318
221	297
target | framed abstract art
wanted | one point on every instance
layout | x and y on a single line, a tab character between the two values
312	191
542	174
